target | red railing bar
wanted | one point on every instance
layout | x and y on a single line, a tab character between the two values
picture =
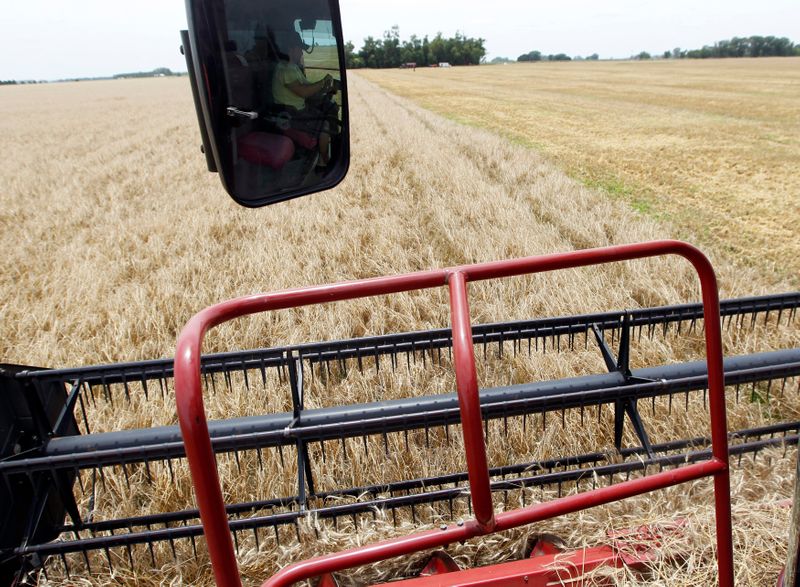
202	463
469	404
504	521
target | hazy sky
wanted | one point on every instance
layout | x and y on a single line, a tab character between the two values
52	39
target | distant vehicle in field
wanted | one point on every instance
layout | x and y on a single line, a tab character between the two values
409	65
444	64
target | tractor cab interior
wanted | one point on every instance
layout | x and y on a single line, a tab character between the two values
270	85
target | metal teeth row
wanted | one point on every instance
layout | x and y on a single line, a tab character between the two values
122	382
431	501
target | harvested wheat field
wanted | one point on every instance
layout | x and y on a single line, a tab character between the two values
114	235
710	145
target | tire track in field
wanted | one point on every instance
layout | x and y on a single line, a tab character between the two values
527	183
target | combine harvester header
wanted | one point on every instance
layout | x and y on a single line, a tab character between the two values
55	464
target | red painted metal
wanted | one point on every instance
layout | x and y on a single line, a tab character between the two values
544	545
547	570
469	404
327	580
640	545
202	463
439	563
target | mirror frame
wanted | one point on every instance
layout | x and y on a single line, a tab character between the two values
204	57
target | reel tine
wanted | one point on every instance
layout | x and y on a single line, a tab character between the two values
108	557
78	476
84	418
151	549
262	368
66	566
130	554
194	543
86	559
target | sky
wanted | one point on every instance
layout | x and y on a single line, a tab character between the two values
57	39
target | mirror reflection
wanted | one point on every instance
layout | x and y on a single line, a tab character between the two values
285	97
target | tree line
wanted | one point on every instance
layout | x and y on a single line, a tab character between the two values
537	56
390	51
754	46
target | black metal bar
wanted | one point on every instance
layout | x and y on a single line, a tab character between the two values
133	446
605	350
394	502
632	410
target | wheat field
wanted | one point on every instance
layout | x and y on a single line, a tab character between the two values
709	145
114	235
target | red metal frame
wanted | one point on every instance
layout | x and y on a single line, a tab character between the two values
202	463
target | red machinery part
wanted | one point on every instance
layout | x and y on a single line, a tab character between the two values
202	464
547	570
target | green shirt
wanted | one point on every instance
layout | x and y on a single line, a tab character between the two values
285	75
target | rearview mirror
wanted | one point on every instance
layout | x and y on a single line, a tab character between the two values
269	85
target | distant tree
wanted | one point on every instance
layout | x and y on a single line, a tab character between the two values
438	49
391	48
667	54
530	56
559	57
352	59
593	57
643	55
497	60
370	53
